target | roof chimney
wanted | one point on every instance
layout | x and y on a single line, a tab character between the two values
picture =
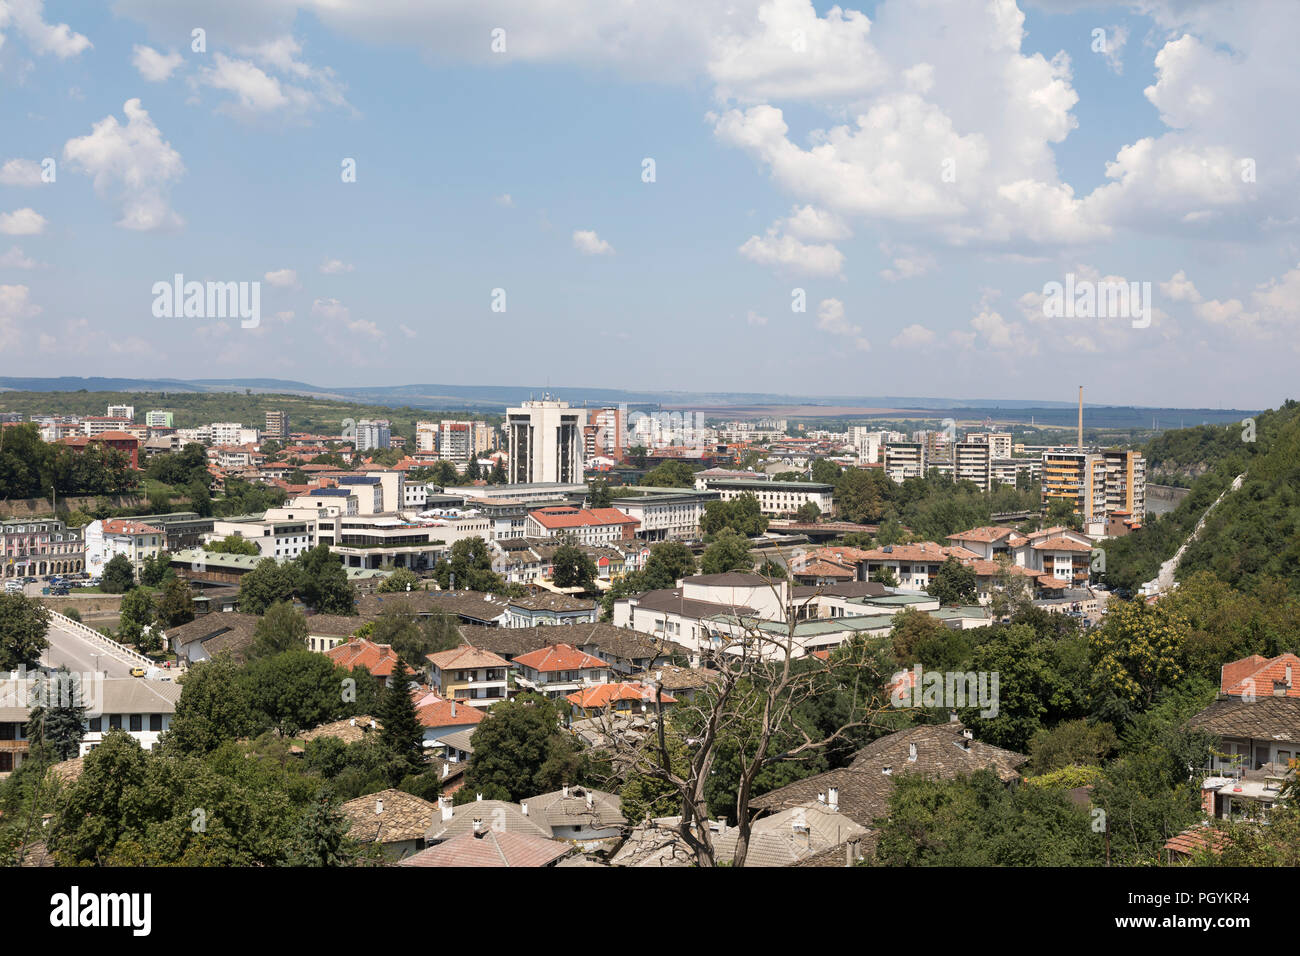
453	708
352	722
821	796
379	806
589	800
478	797
911	752
566	791
523	808
445	806
833	798
478	827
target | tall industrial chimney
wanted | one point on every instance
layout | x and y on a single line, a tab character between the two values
1080	418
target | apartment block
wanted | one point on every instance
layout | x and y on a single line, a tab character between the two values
1126	482
904	460
973	461
1077	477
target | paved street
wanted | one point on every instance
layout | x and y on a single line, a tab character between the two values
77	653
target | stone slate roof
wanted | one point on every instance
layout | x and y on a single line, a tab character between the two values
495	815
403	817
864	787
491	848
1266	718
223	631
559	810
349	729
671	600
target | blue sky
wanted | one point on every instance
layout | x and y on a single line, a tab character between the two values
766	182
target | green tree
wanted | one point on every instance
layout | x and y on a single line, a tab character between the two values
670	474
401	734
213	707
292	691
573	568
268	583
669	562
282	628
156	569
826	471
23	623
403	579
323	583
175	604
728	552
100	806
470	562
808	512
861	495
598	494
118	576
955	583
321	836
1136	652
233	544
56	721
520	750
136	614
742	515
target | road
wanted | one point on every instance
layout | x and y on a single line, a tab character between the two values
1164	581
78	654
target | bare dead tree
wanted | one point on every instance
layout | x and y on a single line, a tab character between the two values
761	674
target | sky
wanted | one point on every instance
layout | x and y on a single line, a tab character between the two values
741	195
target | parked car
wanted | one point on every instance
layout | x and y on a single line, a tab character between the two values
13	586
138	672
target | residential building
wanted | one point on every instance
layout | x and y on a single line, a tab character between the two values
998	442
143	708
373	434
105	539
1078	478
277	425
280	533
546	442
379	659
904	460
470	675
159	419
39	547
973	462
577	813
488	847
394	819
664	514
629	697
1126	483
461	441
121	411
547	609
558	670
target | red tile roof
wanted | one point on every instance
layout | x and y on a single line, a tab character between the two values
359	652
127	526
1255	676
1060	544
465	657
986	534
591	517
432	711
603	695
559	657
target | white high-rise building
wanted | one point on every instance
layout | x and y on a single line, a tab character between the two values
866	443
373	434
546	442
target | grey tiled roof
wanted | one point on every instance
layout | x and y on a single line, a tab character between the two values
1266	718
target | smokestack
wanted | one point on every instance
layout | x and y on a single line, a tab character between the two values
1080	418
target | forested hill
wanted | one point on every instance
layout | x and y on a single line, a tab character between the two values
1253	534
1180	456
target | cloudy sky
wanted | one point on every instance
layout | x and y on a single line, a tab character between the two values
653	188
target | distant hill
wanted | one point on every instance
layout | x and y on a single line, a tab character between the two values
497	397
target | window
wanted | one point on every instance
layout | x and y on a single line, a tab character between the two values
114	721
96	724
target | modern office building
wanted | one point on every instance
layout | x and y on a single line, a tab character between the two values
546	442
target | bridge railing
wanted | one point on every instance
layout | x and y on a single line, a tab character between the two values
112	646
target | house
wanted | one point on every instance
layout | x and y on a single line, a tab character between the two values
327	631
1259	744
487	847
143	708
913	565
577	813
1255	676
129	537
623	698
470	674
379	659
684	683
861	791
498	816
544	608
782	839
1193	841
624	649
394	819
205	637
558	670
14	745
440	717
349	729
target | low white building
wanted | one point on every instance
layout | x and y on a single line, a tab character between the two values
143	708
